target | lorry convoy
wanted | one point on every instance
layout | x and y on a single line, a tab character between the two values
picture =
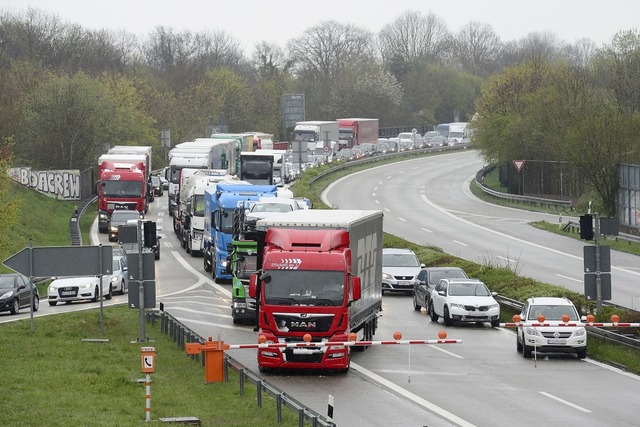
320	273
123	182
356	131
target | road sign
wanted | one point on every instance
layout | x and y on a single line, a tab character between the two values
589	254
591	289
50	261
518	164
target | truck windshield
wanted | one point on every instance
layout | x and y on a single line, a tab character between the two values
246	266
198	208
305	287
122	188
306	136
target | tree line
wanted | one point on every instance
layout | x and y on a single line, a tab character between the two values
67	93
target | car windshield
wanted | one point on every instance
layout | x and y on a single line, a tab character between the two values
124	216
436	276
468	290
271	207
7	282
155	180
400	260
552	312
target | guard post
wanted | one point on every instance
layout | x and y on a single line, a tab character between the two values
213	358
148	367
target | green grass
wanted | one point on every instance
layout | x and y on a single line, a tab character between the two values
54	378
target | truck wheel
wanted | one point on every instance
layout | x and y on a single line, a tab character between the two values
206	265
188	245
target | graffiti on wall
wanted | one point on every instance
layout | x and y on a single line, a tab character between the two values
59	184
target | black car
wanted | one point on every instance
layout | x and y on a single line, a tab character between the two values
428	278
15	293
156	185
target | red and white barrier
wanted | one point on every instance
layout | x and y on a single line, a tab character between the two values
615	323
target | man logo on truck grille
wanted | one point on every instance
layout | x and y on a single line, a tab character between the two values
288	264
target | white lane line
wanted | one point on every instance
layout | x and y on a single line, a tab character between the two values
412	397
506	259
435	347
377	202
460	243
551	396
191	311
569	278
203	278
424	229
402	219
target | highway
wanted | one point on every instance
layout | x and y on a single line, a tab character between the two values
481	382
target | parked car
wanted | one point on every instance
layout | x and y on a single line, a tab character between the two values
15	293
119	276
70	289
544	339
382	147
399	270
120	217
427	280
463	300
156	184
345	154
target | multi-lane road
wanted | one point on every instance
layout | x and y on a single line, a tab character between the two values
483	381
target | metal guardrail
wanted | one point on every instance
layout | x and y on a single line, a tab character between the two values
181	334
74	222
539	201
612	336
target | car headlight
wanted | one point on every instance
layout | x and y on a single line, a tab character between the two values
492	306
114	279
6	295
531	331
387	276
579	332
86	285
460	306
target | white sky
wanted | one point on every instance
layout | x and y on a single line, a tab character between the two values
277	21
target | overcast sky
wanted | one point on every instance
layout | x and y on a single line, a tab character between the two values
277	21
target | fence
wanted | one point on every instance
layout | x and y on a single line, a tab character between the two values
181	335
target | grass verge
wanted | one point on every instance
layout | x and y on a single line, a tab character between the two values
57	379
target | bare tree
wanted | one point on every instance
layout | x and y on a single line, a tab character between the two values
476	48
327	49
579	53
535	46
269	60
414	37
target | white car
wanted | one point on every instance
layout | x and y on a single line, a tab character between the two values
119	278
69	289
463	300
400	268
544	339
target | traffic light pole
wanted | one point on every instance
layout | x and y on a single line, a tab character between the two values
596	237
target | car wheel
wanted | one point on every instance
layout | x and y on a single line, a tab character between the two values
432	313
110	293
36	303
582	353
416	306
122	288
96	295
448	321
53	303
518	345
15	306
526	351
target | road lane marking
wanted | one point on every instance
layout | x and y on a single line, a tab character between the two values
435	347
569	278
551	396
402	219
506	259
424	229
460	243
410	396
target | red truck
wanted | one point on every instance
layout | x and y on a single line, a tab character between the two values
320	274
122	184
357	131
